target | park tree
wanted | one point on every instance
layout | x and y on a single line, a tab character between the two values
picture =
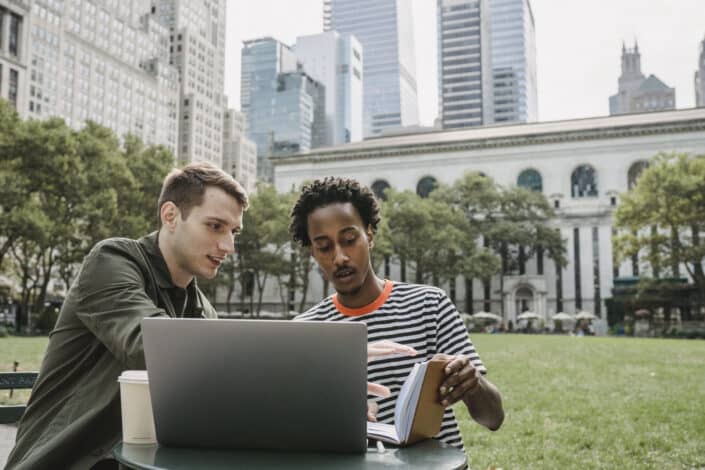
506	226
426	234
15	207
262	248
662	219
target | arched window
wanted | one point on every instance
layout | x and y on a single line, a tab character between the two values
583	182
379	187
635	172
531	180
426	185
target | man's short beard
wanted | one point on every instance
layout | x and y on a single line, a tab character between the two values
353	291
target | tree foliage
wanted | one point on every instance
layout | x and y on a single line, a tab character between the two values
661	218
62	190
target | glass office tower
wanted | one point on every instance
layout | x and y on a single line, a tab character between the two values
284	107
465	95
513	42
385	30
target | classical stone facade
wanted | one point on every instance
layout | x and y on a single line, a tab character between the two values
580	165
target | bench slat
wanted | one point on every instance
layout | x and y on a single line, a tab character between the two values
10	380
10	414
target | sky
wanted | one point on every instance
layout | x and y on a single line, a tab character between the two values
578	43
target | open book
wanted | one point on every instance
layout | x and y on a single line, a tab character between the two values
418	412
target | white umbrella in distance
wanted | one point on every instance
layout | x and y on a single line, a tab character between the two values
528	316
487	316
585	316
561	316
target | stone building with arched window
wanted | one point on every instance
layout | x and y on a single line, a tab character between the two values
580	165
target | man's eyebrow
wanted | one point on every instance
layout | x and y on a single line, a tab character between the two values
320	237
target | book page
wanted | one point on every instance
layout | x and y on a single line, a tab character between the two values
383	432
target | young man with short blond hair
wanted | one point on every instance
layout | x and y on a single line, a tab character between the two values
72	419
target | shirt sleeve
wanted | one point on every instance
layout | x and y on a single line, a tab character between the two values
112	301
451	335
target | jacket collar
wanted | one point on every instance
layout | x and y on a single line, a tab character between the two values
151	245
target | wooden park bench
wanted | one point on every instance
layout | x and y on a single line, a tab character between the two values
10	414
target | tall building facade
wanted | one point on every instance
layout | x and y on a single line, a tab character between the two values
465	96
14	53
637	93
239	152
336	61
385	30
513	40
700	78
102	61
284	107
197	49
581	166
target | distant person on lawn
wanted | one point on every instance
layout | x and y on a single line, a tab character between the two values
337	219
73	415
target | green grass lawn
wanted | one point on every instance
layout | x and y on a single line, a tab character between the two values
590	402
570	403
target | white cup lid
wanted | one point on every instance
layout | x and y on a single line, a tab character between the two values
134	377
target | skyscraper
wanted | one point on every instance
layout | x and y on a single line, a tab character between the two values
284	107
700	78
513	41
239	152
102	61
464	67
337	62
636	93
385	30
197	49
14	53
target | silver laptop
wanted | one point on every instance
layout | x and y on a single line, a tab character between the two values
258	384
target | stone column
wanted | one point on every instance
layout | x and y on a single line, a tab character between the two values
5	31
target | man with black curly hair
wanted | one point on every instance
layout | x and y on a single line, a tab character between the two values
338	218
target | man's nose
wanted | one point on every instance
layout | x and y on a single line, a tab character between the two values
339	256
227	243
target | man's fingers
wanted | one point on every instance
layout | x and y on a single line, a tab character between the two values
458	363
372	409
460	376
386	348
378	390
458	392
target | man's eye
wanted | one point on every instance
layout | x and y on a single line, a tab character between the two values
215	226
323	248
349	241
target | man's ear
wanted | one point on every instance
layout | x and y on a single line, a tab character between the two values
370	237
169	214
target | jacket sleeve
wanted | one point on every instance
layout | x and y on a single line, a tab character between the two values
112	301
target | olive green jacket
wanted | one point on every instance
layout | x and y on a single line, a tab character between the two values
73	415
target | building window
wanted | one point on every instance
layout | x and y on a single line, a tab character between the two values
583	182
426	186
13	46
13	87
596	269
634	172
530	179
576	265
379	187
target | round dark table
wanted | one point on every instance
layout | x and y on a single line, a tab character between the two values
429	454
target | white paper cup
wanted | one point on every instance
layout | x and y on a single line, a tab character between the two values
136	404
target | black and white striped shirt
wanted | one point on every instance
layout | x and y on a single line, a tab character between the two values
415	315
